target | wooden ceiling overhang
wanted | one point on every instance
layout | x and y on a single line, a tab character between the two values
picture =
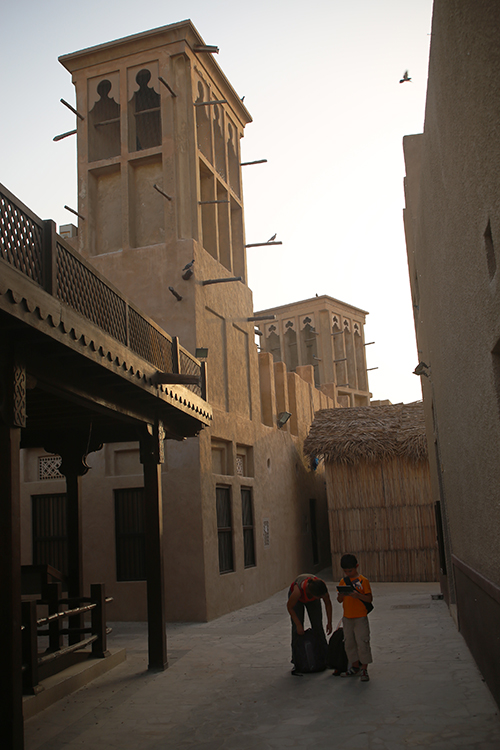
81	379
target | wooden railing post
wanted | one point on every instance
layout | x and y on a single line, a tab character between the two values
98	596
49	257
30	648
52	593
176	360
204	381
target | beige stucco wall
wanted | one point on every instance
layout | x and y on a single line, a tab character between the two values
452	223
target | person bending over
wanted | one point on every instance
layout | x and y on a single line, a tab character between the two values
306	594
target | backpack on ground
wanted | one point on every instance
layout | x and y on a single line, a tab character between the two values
337	657
310	652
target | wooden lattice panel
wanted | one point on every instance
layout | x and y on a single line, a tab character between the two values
82	290
149	343
189	366
48	467
21	240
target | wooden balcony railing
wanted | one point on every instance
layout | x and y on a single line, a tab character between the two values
49	628
33	247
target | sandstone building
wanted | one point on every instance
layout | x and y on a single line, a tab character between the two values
452	223
160	196
326	334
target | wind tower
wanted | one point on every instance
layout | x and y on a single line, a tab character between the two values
159	177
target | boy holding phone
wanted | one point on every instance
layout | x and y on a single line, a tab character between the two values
354	593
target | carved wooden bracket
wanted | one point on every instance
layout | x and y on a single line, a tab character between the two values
73	450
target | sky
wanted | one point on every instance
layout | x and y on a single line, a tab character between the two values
321	81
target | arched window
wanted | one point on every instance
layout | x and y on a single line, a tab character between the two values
145	120
104	121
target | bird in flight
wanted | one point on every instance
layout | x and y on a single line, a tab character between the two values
405	77
271	239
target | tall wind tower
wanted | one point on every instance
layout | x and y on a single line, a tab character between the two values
159	176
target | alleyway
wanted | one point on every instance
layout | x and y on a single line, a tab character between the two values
229	687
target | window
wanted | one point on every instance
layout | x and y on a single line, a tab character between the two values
48	467
130	535
240	465
248	529
221	457
145	125
244	460
104	121
50	536
266	534
224	529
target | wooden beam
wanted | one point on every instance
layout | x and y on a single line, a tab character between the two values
173	378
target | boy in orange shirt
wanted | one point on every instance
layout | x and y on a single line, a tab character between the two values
355	620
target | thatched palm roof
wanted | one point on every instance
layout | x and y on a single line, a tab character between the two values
370	433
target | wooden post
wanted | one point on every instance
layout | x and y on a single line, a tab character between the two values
176	359
98	596
49	256
204	381
152	458
74	527
52	593
73	450
30	648
12	416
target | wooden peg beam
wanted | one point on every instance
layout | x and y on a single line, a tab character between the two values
206	48
64	135
162	80
162	192
248	163
220	281
210	103
72	210
63	101
263	244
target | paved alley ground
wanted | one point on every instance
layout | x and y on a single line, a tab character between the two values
228	687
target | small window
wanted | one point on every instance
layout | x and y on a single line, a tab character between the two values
130	535
248	527
224	529
50	535
266	535
48	467
221	457
240	465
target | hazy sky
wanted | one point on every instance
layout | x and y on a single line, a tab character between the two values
321	81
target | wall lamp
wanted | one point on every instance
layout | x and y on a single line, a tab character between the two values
283	418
